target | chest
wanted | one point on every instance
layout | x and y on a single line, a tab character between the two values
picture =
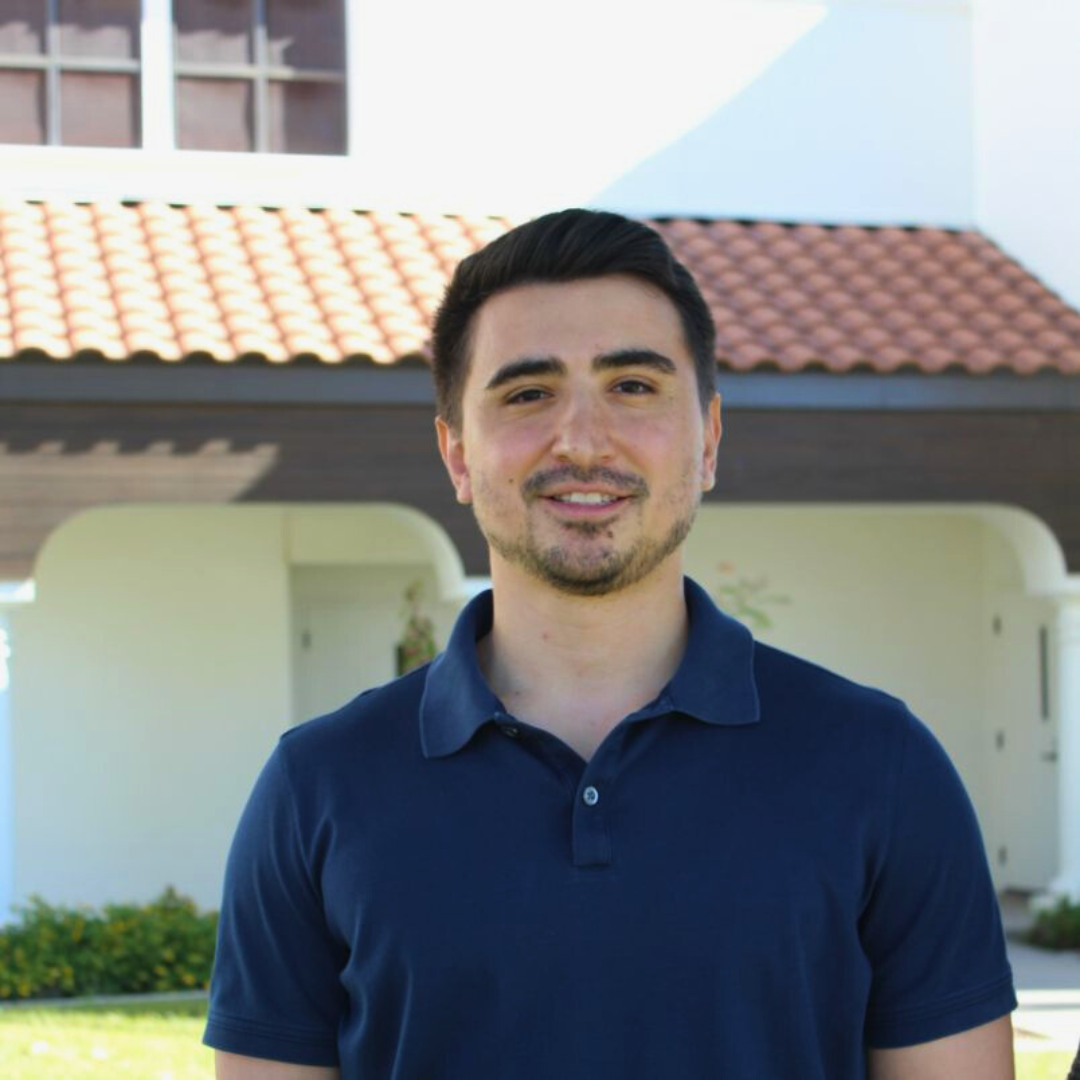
514	865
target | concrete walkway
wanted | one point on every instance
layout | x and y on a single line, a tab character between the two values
164	1000
1047	986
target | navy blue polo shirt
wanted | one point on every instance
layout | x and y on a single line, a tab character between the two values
759	874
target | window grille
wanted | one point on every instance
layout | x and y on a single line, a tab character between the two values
260	75
69	72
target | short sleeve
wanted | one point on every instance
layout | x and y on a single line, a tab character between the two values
275	991
932	927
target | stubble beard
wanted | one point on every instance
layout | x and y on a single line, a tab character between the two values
599	571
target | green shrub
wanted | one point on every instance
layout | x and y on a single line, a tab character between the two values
1057	927
125	948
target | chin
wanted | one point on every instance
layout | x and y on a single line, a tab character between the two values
599	576
585	585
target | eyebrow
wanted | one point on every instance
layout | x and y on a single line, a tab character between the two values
530	366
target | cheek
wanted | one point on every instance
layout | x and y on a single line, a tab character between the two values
661	445
509	455
671	460
497	479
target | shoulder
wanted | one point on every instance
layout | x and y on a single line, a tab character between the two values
349	764
377	723
790	684
829	718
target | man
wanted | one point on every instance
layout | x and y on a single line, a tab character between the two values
604	834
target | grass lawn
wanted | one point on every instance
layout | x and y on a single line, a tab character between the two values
163	1043
136	1041
1046	1065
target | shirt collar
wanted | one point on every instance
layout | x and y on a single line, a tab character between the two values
714	682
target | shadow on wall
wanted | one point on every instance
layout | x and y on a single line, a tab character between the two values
839	102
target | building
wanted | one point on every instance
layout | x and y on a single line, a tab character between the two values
222	235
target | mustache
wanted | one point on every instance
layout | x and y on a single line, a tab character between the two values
625	483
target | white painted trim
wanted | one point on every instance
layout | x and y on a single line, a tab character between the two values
158	110
82	174
353	104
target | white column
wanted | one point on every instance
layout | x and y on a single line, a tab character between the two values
1067	882
7	816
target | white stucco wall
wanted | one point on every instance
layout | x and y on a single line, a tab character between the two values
1022	719
346	623
861	114
1027	134
153	675
839	110
151	678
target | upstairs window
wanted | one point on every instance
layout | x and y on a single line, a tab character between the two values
69	72
260	75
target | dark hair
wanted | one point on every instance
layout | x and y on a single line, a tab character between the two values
564	246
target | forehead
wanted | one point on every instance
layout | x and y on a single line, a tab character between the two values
575	320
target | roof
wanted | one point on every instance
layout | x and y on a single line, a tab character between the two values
148	280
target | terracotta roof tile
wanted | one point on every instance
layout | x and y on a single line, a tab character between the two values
118	279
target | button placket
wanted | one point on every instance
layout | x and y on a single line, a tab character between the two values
591	839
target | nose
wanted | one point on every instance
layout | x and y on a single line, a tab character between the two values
582	433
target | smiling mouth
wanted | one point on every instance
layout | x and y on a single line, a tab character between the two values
586	498
584	492
586	504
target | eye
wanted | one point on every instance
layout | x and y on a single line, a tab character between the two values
633	386
526	395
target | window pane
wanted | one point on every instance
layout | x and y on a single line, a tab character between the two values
213	31
307	118
306	33
22	26
22	118
100	28
214	114
98	110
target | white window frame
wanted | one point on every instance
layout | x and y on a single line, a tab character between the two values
158	170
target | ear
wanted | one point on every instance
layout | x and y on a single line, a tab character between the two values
452	451
713	431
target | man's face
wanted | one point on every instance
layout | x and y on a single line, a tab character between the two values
583	448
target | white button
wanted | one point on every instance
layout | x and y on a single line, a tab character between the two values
590	796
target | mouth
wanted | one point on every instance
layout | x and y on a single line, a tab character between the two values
588	504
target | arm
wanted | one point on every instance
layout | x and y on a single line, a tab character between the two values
941	986
235	1067
275	990
980	1053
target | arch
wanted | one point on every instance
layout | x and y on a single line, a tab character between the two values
373	533
1038	552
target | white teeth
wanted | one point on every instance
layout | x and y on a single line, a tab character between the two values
589	497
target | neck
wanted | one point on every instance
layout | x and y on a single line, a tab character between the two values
577	665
